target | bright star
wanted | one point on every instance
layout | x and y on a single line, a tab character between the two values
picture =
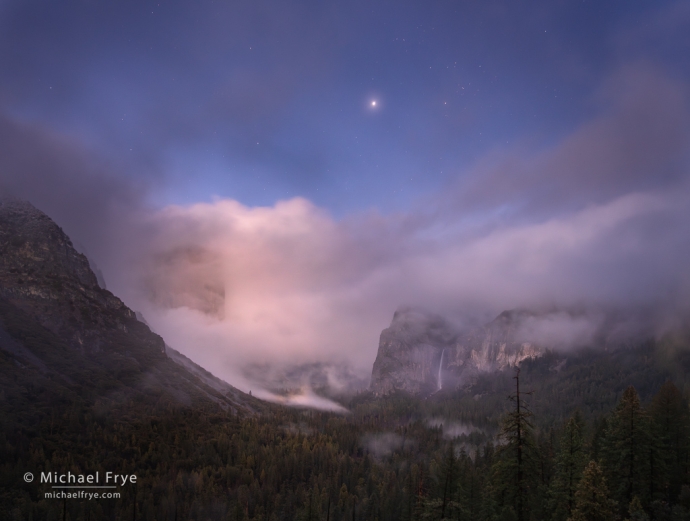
373	103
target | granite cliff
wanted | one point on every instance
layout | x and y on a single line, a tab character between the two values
421	353
44	275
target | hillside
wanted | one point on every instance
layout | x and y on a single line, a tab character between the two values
61	334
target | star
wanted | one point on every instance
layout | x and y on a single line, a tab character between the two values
373	103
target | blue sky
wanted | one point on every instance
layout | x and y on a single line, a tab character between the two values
262	101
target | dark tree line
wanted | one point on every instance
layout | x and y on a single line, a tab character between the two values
632	463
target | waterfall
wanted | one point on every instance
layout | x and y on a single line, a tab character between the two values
439	380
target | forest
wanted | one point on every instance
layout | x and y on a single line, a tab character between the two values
195	464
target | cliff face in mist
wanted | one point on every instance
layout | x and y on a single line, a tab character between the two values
421	353
42	274
60	332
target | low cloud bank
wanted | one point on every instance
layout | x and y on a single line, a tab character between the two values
560	330
302	288
453	429
336	380
306	398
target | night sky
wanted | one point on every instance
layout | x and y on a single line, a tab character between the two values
277	177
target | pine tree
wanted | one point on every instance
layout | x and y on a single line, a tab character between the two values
516	468
670	426
570	462
449	476
636	511
470	489
601	426
408	495
626	450
441	503
592	501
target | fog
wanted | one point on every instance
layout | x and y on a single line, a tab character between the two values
384	443
452	429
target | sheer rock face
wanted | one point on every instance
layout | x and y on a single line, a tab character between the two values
42	273
421	353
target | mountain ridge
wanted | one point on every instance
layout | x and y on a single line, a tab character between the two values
68	334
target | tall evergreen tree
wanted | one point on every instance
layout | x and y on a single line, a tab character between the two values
441	504
516	468
449	476
670	427
592	500
626	450
570	462
470	489
636	511
601	426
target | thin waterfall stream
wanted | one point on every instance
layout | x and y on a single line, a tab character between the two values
439	380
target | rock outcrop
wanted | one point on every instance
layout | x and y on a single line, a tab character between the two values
43	274
421	353
61	328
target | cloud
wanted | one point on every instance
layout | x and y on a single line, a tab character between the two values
284	284
596	219
560	329
637	142
625	250
300	288
100	210
601	222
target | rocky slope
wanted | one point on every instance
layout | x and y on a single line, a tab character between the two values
421	353
42	273
61	333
